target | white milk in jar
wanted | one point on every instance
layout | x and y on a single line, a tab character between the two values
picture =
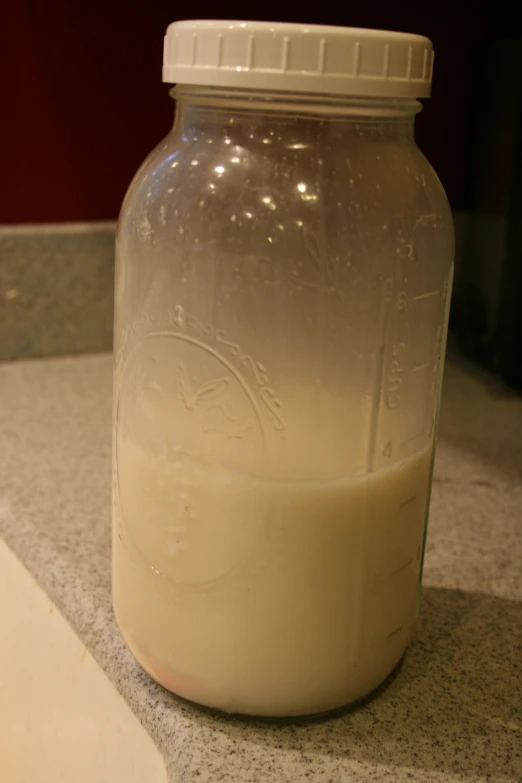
267	597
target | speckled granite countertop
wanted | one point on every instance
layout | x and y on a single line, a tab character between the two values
453	713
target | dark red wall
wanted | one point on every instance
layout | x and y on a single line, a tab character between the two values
83	101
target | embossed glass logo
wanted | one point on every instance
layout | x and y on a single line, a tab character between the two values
190	437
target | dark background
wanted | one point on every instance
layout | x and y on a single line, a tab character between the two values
83	101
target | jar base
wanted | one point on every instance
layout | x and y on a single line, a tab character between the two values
315	717
175	686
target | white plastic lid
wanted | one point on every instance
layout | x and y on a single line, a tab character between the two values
298	58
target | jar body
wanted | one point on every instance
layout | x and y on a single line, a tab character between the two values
282	292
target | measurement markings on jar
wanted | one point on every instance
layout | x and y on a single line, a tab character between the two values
410	440
429	294
407	502
421	367
383	577
399	569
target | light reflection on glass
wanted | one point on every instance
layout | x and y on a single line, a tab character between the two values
301	187
219	169
269	201
235	160
171	157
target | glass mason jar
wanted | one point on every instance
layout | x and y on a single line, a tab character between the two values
284	266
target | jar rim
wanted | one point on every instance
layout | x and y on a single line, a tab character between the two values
296	102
